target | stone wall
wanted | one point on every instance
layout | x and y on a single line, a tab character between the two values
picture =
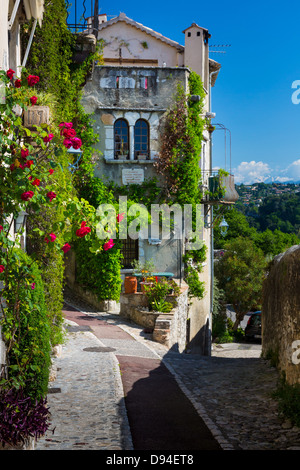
168	328
281	313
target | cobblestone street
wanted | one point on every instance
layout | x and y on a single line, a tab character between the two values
231	391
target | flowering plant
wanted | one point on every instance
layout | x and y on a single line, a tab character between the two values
28	164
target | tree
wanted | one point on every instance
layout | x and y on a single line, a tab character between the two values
241	272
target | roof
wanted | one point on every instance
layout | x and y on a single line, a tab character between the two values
197	26
122	17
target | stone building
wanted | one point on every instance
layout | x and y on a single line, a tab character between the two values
129	95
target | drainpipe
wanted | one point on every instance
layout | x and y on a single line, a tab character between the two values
209	333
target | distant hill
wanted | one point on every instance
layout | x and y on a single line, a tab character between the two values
271	206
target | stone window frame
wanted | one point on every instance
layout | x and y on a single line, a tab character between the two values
117	145
140	151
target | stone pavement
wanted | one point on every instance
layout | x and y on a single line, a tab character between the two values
231	390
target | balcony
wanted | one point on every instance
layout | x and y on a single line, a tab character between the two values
218	188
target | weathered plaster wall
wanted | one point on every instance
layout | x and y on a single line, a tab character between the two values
124	41
281	313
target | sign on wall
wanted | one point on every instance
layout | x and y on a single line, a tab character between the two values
134	176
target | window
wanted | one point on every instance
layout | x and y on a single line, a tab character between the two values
141	139
198	33
189	35
121	139
130	252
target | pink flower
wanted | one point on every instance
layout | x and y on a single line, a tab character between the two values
69	133
68	125
67	143
48	138
120	217
52	238
51	195
18	83
24	153
108	245
33	100
66	247
10	73
1	228
32	80
2	268
83	230
33	285
27	195
76	143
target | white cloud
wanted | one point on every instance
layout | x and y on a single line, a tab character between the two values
251	172
259	172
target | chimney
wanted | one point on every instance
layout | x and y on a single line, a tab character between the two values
196	51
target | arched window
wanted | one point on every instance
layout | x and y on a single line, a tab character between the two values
141	139
121	139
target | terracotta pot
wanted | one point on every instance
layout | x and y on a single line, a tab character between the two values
143	284
130	284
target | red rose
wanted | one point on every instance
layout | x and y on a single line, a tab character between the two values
83	230
36	182
76	143
51	195
24	153
1	228
67	143
69	133
1	268
108	245
28	163
10	73
27	195
51	171
18	83
120	217
48	138
52	238
66	247
32	80
33	100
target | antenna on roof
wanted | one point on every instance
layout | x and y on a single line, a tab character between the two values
219	46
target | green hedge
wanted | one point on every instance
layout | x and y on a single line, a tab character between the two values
26	328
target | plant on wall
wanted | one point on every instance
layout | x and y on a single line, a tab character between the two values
178	162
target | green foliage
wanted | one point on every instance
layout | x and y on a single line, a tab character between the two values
288	397
157	293
26	327
240	273
100	272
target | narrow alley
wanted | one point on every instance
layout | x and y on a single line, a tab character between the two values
115	390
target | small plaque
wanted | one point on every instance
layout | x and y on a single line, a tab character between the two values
134	176
36	115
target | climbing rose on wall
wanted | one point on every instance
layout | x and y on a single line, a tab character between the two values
10	73
83	230
108	245
27	195
51	195
32	80
66	247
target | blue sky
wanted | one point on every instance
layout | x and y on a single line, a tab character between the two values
253	93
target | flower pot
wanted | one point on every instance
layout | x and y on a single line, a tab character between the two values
130	284
143	284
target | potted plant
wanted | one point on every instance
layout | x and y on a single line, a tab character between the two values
144	270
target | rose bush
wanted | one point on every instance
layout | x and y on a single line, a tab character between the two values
28	159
